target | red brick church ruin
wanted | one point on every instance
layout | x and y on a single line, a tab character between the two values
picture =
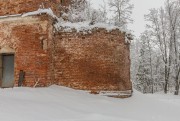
95	61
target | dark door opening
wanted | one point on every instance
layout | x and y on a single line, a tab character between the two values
7	71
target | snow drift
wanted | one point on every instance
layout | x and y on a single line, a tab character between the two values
63	104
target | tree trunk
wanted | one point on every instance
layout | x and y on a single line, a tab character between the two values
176	89
166	80
177	83
166	87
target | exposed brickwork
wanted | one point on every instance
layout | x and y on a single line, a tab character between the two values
97	61
25	36
9	7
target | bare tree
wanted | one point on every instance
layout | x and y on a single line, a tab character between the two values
81	10
173	8
76	12
159	28
103	10
164	26
122	10
147	67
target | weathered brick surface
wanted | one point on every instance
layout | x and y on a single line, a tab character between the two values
25	36
9	7
97	61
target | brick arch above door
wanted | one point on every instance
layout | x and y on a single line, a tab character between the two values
7	50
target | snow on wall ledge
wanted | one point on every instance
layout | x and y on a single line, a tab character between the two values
41	11
82	26
86	28
33	13
68	26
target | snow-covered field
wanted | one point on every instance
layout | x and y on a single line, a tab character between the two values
63	104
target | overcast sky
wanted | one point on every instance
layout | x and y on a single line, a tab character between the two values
141	7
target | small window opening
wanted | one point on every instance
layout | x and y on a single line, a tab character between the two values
62	1
44	44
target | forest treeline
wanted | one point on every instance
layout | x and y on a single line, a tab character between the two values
155	54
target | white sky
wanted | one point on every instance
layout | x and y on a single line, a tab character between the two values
141	7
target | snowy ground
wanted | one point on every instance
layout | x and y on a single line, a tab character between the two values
62	104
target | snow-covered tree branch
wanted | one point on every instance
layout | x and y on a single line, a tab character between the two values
122	12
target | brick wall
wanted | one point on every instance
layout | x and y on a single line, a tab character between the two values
25	36
96	61
9	7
